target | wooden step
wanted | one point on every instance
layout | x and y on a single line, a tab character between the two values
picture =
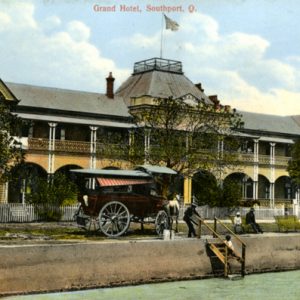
235	276
217	252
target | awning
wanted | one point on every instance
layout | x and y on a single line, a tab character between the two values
121	181
73	120
130	174
276	140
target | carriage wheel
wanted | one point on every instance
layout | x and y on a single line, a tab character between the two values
92	224
114	219
161	222
86	222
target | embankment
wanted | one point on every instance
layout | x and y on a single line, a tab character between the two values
56	267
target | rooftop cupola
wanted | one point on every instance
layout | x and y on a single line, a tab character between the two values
158	64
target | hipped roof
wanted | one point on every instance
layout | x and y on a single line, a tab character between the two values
159	84
68	100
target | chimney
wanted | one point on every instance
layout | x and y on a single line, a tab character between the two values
227	108
110	86
214	99
199	86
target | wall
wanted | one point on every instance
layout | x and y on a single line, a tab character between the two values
54	267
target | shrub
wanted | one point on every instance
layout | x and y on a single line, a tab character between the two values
50	195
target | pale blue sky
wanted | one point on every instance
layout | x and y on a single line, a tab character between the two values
246	51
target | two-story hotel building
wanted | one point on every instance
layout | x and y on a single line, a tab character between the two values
63	126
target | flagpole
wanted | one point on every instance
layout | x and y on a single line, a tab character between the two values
161	36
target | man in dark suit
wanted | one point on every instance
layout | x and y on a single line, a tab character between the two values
250	219
188	214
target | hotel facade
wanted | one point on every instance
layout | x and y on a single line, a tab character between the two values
64	128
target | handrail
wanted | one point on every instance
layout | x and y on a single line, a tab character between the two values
236	236
215	234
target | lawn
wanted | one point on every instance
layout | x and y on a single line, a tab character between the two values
62	231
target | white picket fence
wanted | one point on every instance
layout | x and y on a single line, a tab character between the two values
209	213
17	212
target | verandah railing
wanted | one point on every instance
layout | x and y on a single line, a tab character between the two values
118	150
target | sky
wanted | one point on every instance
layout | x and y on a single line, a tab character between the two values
245	51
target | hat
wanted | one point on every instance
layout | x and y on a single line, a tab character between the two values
194	204
237	213
252	209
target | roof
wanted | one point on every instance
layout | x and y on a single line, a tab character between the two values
75	120
6	93
68	100
270	123
112	173
296	119
157	169
159	84
139	172
276	140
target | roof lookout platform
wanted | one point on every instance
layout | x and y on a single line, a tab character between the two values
158	64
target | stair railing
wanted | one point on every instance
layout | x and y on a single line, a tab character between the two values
216	235
243	245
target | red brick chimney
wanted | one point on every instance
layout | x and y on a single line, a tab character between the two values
215	100
110	86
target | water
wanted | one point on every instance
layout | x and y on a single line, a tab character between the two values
269	286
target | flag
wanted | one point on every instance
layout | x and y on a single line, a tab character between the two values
170	24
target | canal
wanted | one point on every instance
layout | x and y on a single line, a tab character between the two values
267	286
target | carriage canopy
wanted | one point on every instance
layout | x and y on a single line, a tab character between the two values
141	175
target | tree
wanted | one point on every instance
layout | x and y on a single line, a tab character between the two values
182	136
231	194
294	164
208	192
10	148
185	137
205	189
49	195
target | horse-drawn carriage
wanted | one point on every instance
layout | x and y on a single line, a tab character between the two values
119	197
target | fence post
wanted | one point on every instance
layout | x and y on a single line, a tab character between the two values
215	226
226	262
244	258
199	229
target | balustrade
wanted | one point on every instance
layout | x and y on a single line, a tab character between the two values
282	160
119	150
38	144
264	159
72	146
60	146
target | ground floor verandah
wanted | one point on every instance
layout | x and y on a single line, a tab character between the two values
266	186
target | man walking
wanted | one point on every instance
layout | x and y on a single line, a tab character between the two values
188	218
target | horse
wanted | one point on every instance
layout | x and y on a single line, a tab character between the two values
172	210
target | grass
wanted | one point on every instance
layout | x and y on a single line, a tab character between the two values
64	232
287	223
54	231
